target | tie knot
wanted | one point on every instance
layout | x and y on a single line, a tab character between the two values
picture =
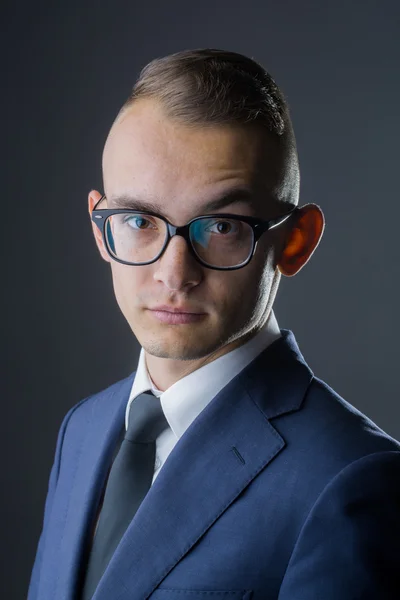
146	419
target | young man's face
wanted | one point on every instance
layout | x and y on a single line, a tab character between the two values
151	158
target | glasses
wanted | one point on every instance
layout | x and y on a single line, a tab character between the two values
220	241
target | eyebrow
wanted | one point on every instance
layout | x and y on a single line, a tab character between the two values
233	196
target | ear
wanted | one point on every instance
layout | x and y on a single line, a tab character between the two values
302	239
93	198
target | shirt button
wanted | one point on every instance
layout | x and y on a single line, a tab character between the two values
157	463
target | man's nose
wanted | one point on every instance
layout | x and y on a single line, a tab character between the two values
177	267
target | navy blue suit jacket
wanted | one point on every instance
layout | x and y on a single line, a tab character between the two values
279	489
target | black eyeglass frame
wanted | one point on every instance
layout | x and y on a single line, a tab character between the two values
259	226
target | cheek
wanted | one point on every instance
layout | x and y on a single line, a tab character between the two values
258	279
127	284
234	291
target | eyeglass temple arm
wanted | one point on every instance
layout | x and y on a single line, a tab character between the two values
281	219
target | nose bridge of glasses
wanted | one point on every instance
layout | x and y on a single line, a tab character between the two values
178	230
182	230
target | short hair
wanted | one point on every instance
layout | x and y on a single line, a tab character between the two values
211	86
208	86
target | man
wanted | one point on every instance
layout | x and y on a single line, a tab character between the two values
221	467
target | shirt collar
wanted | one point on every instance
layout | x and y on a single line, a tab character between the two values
183	401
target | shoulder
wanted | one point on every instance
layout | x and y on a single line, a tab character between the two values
341	420
326	435
332	433
93	406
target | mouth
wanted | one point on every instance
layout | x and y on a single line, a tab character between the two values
177	310
176	318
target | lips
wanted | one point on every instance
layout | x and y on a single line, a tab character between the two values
181	310
175	318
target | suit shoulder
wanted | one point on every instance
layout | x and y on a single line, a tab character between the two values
324	437
87	407
343	425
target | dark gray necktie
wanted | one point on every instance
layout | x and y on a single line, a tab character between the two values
129	481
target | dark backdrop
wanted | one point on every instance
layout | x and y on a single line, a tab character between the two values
67	67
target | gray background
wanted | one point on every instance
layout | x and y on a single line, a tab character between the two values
67	67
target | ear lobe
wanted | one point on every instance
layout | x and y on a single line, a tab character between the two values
302	240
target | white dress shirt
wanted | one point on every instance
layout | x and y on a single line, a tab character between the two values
183	401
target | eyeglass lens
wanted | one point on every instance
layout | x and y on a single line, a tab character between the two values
139	238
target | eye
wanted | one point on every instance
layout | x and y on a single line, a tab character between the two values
133	219
232	225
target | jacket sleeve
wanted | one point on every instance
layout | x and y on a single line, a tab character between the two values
36	570
349	546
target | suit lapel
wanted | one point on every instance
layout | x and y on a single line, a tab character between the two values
221	452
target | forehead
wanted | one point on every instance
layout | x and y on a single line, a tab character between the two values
147	153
